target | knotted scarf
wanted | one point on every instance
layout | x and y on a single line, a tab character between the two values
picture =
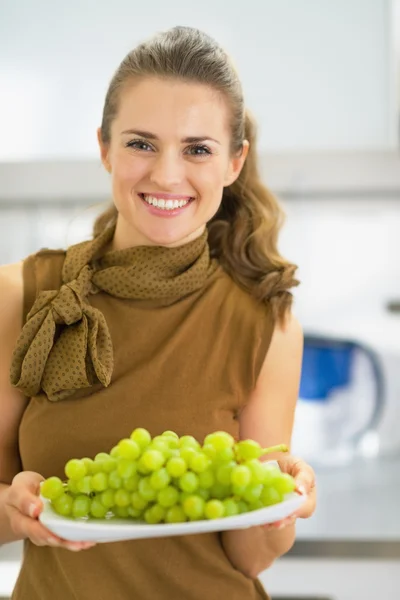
65	344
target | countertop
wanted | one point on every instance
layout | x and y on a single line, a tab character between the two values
357	516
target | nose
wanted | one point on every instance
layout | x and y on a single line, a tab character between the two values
167	171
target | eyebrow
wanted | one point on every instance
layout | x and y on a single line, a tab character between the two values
152	136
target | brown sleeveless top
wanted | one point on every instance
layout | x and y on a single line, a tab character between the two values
187	360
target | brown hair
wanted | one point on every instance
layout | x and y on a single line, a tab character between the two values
243	233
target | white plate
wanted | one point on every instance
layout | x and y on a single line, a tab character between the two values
115	529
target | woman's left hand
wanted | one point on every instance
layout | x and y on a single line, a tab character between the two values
305	484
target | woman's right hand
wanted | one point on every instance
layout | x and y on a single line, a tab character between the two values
23	507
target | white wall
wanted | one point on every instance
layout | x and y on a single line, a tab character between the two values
316	73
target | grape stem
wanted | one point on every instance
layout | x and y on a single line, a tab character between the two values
278	448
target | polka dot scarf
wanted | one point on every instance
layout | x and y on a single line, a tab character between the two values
65	344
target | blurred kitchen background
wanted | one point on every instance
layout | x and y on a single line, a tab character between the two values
322	77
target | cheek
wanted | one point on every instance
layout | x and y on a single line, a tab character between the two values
129	169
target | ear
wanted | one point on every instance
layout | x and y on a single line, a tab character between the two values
104	151
236	164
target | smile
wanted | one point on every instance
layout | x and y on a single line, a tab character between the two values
166	204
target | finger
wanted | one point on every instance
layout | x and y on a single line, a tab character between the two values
308	507
26	527
302	472
24	493
281	524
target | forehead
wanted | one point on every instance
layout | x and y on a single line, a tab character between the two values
167	106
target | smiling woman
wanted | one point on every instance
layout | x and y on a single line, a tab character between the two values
175	316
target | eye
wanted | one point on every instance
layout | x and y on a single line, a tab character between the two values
199	150
139	145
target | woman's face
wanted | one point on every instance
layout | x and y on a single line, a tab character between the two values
169	160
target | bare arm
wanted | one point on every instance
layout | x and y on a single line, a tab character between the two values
268	419
12	402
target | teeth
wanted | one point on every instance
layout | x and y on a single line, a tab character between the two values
164	204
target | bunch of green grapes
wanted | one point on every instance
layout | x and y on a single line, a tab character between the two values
170	479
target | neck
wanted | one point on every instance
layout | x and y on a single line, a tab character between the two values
126	236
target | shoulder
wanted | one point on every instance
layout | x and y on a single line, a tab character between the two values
11	282
11	297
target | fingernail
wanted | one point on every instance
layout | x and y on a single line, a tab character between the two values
32	509
52	542
301	489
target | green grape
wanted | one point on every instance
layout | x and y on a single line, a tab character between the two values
52	488
176	466
101	456
188	441
129	449
146	490
89	464
256	505
160	445
247	449
138	502
75	469
72	487
183	496
99	482
155	514
160	479
253	493
97	509
175	514
224	472
126	467
168	496
284	483
187	453
193	507
108	464
220	440
133	512
131	483
206	479
84	485
224	455
205	494
240	476
107	498
152	460
269	496
141	436
189	482
271	472
122	512
114	480
239	490
243	507
80	506
231	507
63	505
122	498
172	434
114	453
209	451
169	440
214	509
199	462
257	470
220	491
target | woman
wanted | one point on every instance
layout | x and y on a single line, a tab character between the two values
175	316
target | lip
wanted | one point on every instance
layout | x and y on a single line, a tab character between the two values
160	195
